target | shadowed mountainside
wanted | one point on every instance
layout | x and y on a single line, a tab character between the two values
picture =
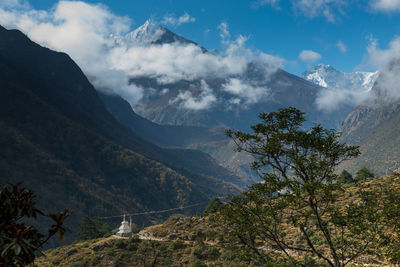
59	139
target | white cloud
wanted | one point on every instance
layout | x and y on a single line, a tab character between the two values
388	6
342	47
249	93
173	21
309	56
334	99
14	3
388	82
204	100
94	37
388	61
224	31
379	58
317	8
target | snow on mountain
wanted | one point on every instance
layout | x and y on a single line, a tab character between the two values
329	77
151	33
148	33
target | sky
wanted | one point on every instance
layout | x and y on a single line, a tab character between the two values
350	35
339	32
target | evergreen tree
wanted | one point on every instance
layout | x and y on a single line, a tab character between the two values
364	174
213	206
346	177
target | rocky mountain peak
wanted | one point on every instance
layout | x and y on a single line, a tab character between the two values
151	33
329	77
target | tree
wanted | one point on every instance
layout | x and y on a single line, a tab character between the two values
90	228
298	211
363	174
213	206
346	177
20	243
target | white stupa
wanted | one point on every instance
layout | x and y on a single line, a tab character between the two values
125	229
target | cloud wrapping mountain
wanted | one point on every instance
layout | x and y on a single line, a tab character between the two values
340	89
99	42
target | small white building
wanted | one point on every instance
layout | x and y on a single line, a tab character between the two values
125	230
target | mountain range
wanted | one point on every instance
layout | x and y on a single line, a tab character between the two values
235	100
374	125
90	151
60	140
328	77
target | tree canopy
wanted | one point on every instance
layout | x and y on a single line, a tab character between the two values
363	174
346	177
19	242
295	213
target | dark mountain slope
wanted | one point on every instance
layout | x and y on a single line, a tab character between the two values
176	136
57	137
163	135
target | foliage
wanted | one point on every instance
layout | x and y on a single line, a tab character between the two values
213	206
20	243
296	210
91	228
363	174
346	177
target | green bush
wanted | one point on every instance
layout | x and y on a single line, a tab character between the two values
213	253
119	243
178	244
198	263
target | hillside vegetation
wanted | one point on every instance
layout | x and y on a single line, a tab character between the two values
204	241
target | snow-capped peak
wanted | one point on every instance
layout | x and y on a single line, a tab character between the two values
329	77
148	33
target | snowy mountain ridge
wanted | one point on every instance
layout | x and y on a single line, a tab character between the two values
148	33
151	33
329	77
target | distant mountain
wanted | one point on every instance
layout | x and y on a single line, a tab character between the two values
177	137
329	77
374	126
60	140
280	90
151	33
237	99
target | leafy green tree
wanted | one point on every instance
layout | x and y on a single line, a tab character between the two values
19	242
213	206
90	228
296	212
363	174
346	177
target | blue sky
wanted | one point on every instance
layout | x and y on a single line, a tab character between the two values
283	28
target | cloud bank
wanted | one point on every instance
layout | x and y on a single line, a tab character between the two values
388	61
96	39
